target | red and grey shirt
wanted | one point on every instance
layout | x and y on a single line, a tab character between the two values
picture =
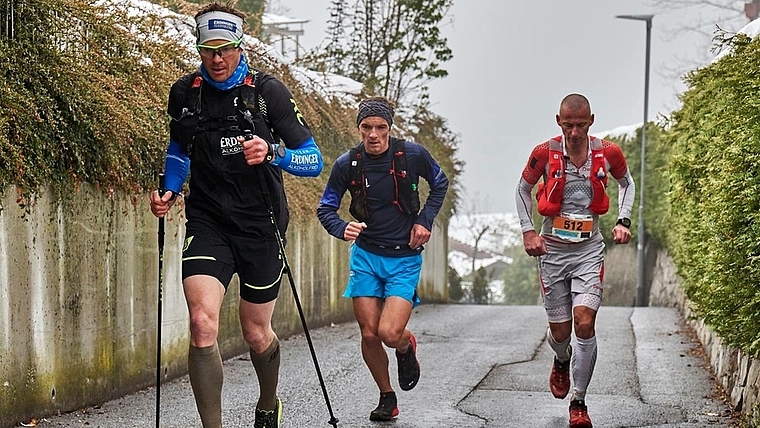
578	189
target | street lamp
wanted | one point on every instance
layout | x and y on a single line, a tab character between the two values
641	299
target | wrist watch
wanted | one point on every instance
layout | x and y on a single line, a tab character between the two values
625	222
279	150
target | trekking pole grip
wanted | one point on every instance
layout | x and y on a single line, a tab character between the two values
161	192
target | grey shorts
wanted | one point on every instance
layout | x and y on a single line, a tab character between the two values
570	270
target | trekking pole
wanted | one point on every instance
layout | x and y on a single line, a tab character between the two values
160	299
333	420
265	192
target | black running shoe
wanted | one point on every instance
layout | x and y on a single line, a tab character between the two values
408	366
269	418
387	409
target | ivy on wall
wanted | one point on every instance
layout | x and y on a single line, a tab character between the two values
83	99
79	102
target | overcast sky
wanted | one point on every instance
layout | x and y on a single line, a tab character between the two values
515	60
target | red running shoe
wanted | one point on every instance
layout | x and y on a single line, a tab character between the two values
559	379
579	415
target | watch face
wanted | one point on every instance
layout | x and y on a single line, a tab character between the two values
280	151
626	222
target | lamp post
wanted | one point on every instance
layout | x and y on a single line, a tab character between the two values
641	299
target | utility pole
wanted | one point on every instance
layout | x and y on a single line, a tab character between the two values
752	9
641	297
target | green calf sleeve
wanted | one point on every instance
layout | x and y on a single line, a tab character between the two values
206	378
267	365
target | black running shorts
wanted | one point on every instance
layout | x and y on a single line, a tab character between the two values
258	263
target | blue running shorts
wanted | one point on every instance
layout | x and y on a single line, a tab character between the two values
371	275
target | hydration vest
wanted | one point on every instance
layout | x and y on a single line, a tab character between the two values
250	114
406	197
210	118
551	190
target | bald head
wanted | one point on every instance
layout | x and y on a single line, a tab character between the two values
575	119
574	103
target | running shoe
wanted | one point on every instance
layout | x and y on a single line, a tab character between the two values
269	418
559	379
408	366
579	415
387	409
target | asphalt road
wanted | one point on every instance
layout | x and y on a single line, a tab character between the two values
482	366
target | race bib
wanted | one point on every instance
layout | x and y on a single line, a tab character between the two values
573	227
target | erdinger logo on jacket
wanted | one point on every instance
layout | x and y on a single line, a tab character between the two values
230	146
304	162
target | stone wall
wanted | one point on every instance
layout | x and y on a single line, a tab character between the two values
737	372
79	298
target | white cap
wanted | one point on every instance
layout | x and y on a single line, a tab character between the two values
218	25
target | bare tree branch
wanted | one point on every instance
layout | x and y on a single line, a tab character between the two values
706	18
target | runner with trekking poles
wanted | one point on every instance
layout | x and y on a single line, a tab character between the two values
235	129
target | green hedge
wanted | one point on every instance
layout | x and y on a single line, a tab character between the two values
656	185
702	192
715	194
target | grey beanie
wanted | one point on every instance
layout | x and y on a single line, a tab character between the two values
374	107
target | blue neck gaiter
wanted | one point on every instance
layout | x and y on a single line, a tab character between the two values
236	79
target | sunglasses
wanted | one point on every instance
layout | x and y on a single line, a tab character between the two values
224	50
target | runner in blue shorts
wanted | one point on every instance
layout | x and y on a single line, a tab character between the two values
389	232
373	275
